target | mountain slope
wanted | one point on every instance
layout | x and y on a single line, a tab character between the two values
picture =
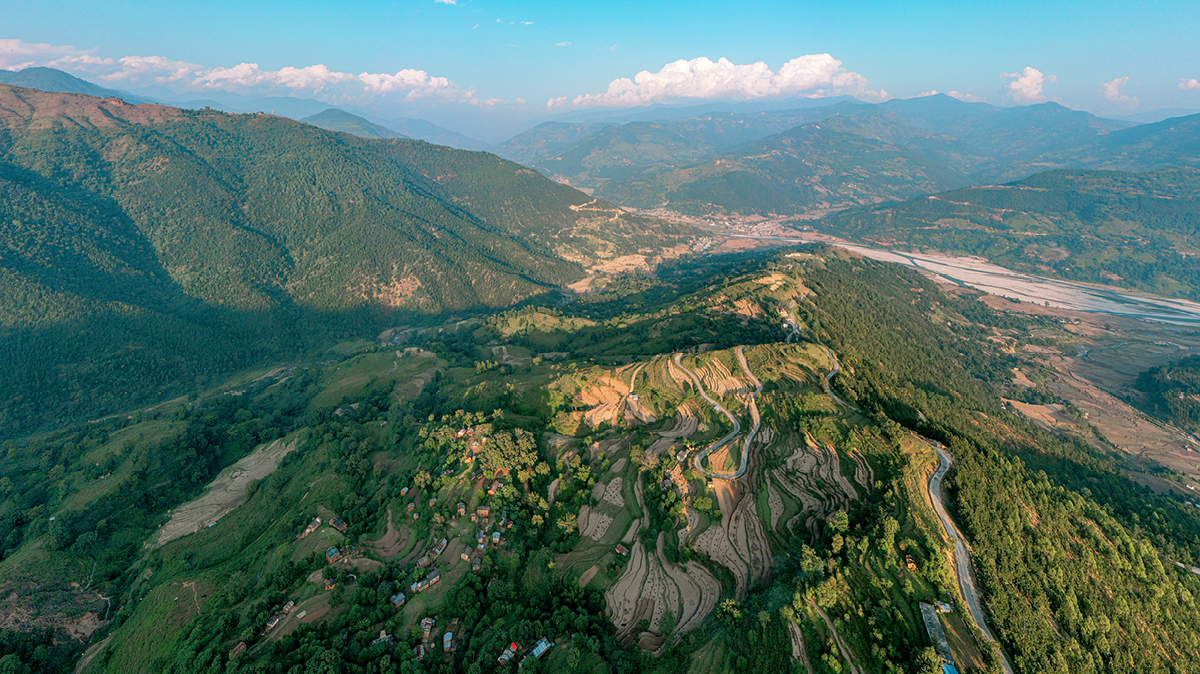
832	164
816	555
629	163
1171	142
1135	230
137	225
340	120
50	79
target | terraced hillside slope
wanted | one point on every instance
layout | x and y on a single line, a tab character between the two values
722	468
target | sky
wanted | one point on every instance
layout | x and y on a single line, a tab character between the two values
487	67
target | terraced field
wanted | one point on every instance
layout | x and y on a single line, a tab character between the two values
783	483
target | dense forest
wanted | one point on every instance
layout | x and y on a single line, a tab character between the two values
1173	391
147	250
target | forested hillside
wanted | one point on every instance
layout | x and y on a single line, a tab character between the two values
1135	230
147	228
832	164
837	156
815	556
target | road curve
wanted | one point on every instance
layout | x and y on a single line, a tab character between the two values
962	554
737	425
837	367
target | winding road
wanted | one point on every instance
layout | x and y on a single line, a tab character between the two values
837	367
962	553
756	419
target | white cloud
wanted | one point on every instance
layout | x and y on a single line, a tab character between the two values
1112	91
563	44
1192	83
18	55
526	23
447	2
814	75
966	98
160	68
1026	86
313	80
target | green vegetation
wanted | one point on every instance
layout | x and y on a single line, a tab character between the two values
340	120
1173	391
829	164
155	253
838	156
1126	229
153	250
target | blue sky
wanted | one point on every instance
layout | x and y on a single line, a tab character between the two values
510	59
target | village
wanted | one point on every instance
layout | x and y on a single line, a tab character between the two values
467	537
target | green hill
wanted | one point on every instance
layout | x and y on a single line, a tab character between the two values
1128	229
568	497
340	120
51	79
711	163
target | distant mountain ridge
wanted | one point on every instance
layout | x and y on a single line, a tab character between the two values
50	79
720	164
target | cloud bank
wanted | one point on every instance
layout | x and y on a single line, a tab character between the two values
314	80
813	75
1026	86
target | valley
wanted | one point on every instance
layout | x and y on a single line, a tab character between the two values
873	387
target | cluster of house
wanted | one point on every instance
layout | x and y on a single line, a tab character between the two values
535	651
427	624
279	616
427	582
431	556
337	523
383	638
476	445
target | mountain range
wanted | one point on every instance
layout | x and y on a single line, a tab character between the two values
1127	229
763	163
312	396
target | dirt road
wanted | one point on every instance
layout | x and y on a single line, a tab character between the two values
962	554
737	425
